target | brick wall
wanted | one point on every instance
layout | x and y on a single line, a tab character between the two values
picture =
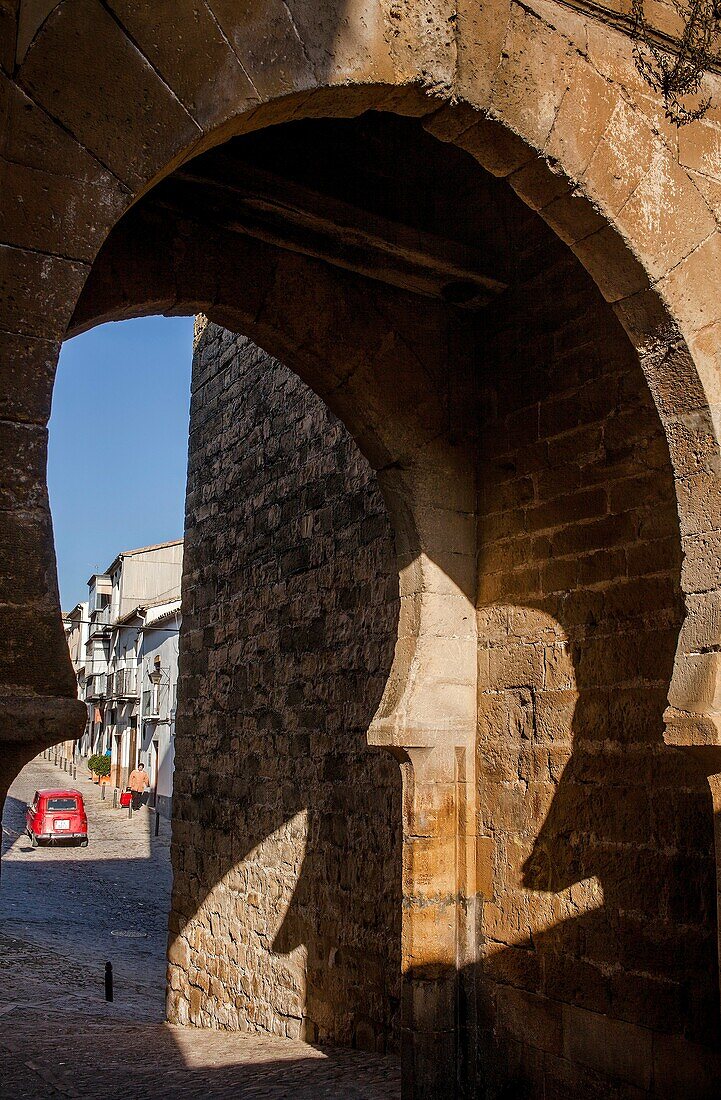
599	953
597	948
286	836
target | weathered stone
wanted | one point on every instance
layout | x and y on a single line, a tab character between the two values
307	835
88	74
575	788
204	81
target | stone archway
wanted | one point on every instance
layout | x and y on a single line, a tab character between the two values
544	98
636	214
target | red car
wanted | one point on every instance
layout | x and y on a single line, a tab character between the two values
57	814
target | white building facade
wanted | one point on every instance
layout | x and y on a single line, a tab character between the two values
158	669
130	667
76	624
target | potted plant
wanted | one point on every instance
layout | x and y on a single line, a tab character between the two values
102	769
94	763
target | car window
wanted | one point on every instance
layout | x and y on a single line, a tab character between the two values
62	804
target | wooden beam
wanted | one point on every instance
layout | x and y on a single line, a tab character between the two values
230	194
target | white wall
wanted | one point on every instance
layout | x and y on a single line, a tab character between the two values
160	639
150	575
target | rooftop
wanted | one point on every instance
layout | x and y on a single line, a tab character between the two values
141	550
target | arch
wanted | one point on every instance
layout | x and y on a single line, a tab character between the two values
539	96
541	100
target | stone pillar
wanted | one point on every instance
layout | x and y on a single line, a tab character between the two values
699	736
427	719
438	1010
715	785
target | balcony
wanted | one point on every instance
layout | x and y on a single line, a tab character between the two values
123	684
155	702
95	686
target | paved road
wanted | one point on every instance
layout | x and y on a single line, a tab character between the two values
80	903
64	911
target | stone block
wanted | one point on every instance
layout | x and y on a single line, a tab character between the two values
686	290
517	666
683	1069
211	83
610	263
661	238
50	213
618	1050
32	138
27	371
531	1018
133	122
37	293
255	35
533	55
23	458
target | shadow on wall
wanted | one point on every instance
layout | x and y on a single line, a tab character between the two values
598	956
598	962
287	826
599	952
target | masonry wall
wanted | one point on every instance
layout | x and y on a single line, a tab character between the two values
598	972
286	832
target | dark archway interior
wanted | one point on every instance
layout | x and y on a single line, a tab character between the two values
433	311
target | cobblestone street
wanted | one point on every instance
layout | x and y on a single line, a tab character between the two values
64	912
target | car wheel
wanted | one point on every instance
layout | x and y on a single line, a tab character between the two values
83	843
33	840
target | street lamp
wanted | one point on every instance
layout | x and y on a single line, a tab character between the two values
155	678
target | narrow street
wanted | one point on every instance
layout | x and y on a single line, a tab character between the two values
64	913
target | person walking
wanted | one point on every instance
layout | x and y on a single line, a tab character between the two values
138	782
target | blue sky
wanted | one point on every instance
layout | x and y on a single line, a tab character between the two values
118	443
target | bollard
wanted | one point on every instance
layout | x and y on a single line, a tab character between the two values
102	791
115	798
130	807
108	981
75	771
157	822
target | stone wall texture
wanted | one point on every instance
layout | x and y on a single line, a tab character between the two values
599	928
286	832
558	903
595	953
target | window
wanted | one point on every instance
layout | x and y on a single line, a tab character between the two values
102	599
62	804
